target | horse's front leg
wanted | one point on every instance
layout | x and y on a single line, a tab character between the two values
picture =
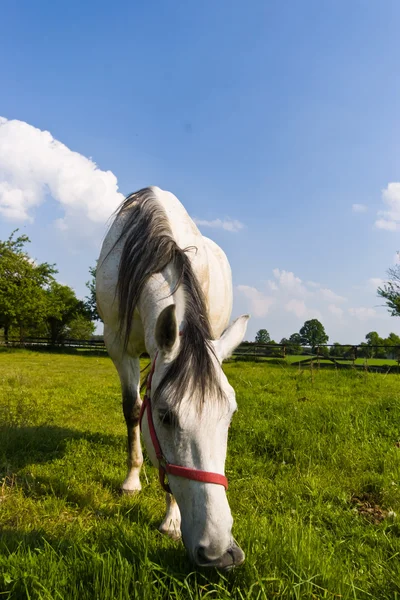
131	403
171	525
128	368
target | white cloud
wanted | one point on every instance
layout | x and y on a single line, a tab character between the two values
386	224
34	165
335	310
389	218
375	282
359	208
362	313
289	282
228	224
260	303
61	224
330	296
272	285
297	307
287	292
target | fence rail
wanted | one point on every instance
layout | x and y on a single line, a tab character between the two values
343	354
349	350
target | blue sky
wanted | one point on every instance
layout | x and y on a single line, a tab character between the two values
276	116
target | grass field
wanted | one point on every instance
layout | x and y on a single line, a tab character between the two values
314	470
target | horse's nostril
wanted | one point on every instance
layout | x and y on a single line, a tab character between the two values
201	556
232	557
237	555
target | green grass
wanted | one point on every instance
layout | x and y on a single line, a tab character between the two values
314	476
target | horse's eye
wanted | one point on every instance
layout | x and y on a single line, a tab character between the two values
165	417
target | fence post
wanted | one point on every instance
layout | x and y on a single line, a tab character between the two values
397	349
354	355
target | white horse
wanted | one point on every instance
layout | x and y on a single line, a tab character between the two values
164	288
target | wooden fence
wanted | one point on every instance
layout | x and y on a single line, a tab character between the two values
350	355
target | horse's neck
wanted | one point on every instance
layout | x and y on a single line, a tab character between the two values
157	294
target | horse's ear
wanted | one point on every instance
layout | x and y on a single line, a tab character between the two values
166	329
231	338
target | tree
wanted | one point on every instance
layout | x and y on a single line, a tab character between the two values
80	328
23	301
336	350
262	337
392	346
393	340
292	344
340	351
390	291
90	300
64	308
295	340
373	338
323	351
32	301
313	334
365	350
375	342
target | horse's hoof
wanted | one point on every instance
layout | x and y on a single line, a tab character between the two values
126	492
174	534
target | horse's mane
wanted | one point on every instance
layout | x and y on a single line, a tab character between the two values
149	247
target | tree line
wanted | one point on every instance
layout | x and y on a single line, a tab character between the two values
33	303
313	335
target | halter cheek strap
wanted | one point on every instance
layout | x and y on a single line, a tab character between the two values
164	467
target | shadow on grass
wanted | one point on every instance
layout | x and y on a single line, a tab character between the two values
173	560
24	446
21	446
80	556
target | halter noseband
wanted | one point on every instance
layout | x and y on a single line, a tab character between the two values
164	467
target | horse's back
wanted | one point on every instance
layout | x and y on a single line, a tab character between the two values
209	264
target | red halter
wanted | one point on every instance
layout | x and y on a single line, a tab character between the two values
164	467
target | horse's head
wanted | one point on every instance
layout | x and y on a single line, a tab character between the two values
194	434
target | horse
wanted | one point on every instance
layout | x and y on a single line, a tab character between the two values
165	289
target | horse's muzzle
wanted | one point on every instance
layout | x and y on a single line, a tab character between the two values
232	558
